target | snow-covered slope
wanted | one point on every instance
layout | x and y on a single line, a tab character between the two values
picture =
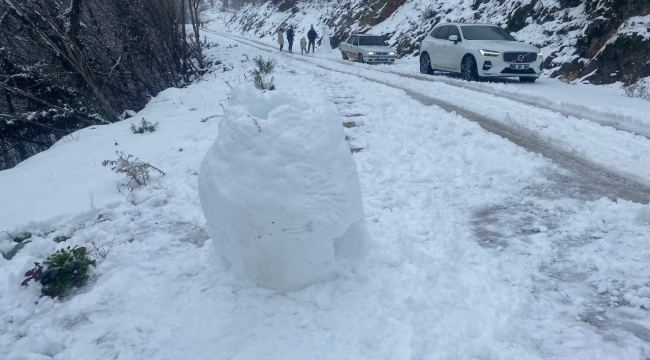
603	41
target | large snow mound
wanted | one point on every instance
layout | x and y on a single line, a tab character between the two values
280	190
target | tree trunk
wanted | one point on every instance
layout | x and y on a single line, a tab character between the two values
10	104
75	20
196	26
184	41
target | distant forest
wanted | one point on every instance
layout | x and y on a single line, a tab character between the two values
68	64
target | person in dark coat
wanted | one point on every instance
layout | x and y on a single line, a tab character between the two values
290	34
312	36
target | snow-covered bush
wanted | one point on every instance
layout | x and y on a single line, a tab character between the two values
145	126
61	272
261	72
136	171
280	191
640	89
429	13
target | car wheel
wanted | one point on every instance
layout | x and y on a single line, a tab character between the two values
360	58
344	55
527	79
468	69
425	64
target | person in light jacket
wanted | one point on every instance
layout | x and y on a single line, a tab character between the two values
303	45
281	38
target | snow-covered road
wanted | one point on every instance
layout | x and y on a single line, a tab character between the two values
480	248
600	104
598	163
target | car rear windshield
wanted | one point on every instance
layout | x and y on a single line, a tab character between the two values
485	33
371	40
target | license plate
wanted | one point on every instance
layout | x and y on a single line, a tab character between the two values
519	66
382	58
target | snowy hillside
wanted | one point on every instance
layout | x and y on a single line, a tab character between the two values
479	248
602	41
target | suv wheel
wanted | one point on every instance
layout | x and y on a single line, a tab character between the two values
344	55
360	58
468	69
527	79
425	64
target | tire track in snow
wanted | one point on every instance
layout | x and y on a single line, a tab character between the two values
564	109
602	181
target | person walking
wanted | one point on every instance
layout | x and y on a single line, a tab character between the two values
303	45
312	36
290	38
281	38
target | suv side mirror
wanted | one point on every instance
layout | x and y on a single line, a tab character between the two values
453	38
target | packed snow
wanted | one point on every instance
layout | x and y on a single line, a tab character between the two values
280	190
478	249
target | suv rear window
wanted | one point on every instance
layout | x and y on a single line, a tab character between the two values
435	31
442	34
485	33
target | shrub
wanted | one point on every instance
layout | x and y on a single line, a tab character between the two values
640	89
429	13
136	171
61	272
264	68
144	126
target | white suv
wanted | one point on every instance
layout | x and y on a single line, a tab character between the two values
479	50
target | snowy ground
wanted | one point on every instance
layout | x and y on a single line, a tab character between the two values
480	249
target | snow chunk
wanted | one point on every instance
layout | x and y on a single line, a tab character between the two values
280	190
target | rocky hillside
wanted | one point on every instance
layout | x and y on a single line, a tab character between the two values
600	41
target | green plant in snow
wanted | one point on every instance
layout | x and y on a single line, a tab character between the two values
11	253
61	272
144	127
61	238
261	72
21	240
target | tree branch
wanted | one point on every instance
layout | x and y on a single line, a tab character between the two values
43	102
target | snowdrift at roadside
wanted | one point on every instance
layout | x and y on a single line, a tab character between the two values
280	190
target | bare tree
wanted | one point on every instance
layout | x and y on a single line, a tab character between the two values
66	64
194	6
